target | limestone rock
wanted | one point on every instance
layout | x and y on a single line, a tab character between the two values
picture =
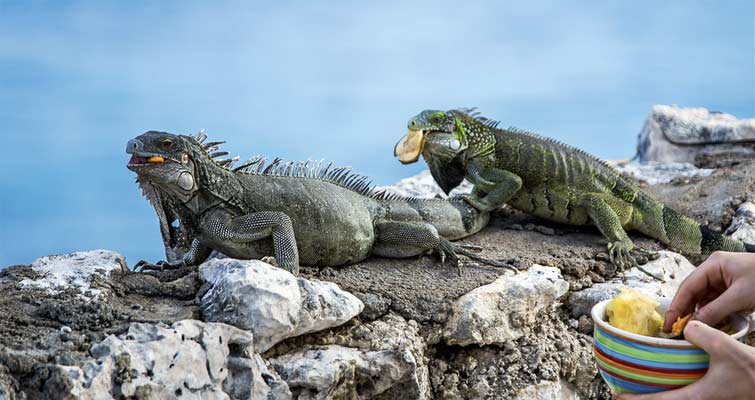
548	390
190	359
391	334
79	270
654	172
673	134
671	266
743	225
505	309
334	371
423	185
270	302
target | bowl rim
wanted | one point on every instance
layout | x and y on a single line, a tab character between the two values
598	314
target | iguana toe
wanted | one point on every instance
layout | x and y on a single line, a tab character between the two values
144	266
270	260
475	202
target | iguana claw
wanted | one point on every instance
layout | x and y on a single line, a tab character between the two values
625	255
144	266
475	201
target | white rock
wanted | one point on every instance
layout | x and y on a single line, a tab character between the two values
654	172
669	131
74	270
423	185
671	266
505	309
743	225
548	390
188	360
333	371
270	302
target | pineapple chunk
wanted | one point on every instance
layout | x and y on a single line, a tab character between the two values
634	312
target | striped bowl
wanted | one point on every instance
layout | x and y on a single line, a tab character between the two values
631	363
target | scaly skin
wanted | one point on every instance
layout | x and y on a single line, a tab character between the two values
297	212
554	181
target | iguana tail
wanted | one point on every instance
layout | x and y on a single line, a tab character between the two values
679	232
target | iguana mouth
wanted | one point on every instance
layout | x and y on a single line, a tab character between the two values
409	148
140	161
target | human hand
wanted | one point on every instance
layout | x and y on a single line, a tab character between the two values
721	285
731	374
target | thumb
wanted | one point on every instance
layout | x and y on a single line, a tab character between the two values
713	341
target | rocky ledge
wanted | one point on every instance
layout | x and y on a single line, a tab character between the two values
82	325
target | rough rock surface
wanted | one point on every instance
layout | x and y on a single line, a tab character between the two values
333	371
654	173
399	341
670	266
271	302
75	270
401	346
422	185
673	134
505	309
189	359
743	225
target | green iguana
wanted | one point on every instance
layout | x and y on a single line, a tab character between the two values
300	212
550	180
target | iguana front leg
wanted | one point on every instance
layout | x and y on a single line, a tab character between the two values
499	184
219	227
610	215
196	255
257	226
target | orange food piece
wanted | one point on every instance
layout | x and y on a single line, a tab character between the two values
156	159
678	326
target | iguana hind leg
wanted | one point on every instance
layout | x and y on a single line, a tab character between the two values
408	239
610	215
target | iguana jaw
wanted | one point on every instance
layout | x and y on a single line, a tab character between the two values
140	160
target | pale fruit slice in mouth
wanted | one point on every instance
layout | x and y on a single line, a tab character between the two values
409	148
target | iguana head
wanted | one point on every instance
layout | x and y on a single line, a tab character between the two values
433	129
165	161
446	140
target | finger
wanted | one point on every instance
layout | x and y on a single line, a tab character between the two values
723	305
692	289
713	341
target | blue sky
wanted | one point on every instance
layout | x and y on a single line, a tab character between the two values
335	80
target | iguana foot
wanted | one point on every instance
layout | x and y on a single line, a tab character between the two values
625	255
465	251
270	260
144	266
476	202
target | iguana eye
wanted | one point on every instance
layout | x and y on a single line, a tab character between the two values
436	118
167	143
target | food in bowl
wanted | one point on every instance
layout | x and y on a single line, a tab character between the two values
634	312
634	363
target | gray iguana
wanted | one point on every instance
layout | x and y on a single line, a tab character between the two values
550	180
300	212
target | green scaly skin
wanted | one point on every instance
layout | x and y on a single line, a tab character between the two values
300	213
554	181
